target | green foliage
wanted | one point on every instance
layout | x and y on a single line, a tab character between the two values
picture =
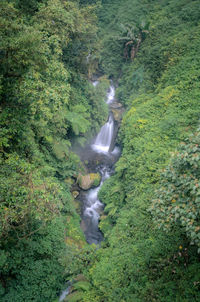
47	103
178	198
33	198
83	285
48	51
21	45
75	297
138	261
116	22
112	195
32	269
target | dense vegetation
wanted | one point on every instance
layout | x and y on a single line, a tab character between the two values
152	208
48	52
46	103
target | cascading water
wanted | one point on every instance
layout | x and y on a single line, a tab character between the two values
95	83
111	95
92	207
101	150
104	138
65	292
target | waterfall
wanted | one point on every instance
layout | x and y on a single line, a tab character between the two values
92	206
95	83
104	138
111	95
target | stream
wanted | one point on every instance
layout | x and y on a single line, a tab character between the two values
104	154
101	155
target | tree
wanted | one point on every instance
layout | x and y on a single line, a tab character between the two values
133	35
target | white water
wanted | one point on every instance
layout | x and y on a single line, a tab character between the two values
93	208
88	57
95	83
104	138
92	205
64	294
111	95
116	151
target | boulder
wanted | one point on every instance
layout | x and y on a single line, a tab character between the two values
75	193
117	114
69	181
88	181
116	105
117	110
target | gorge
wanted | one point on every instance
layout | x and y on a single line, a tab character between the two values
99	150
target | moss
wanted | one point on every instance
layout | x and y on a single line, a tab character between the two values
86	182
74	235
69	181
75	194
96	178
77	206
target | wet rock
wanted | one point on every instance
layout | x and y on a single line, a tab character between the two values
88	181
117	114
75	193
117	110
116	105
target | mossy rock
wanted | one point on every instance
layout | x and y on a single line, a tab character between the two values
75	193
117	114
69	181
88	181
96	178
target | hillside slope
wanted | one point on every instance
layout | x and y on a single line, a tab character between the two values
152	209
